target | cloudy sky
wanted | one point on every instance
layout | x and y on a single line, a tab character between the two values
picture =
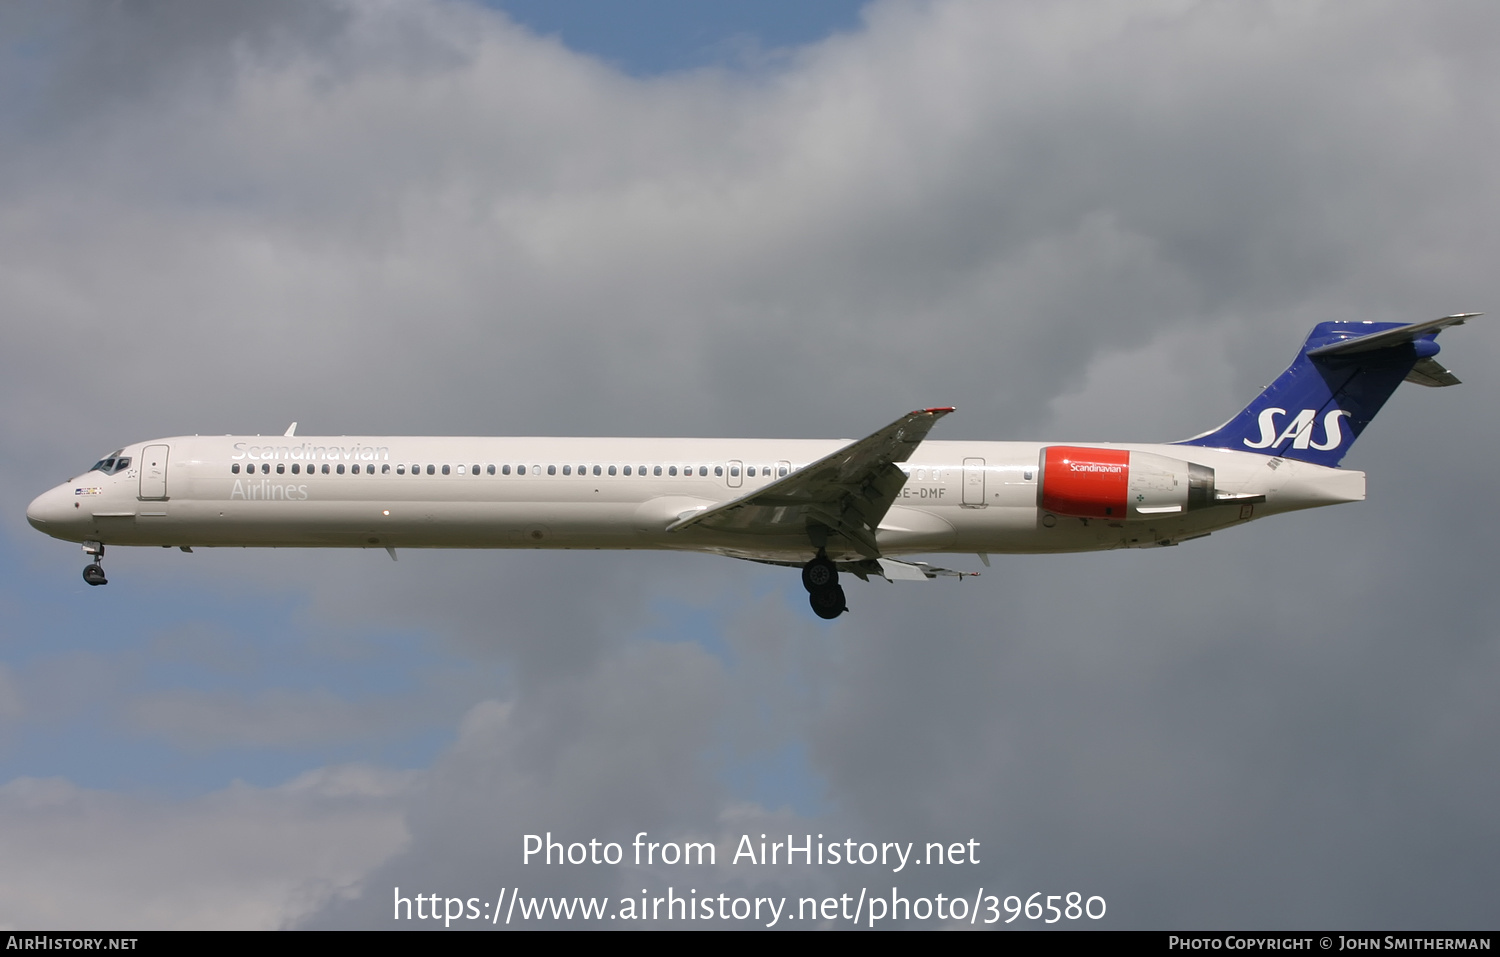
1071	221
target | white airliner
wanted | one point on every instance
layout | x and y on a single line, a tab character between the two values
824	506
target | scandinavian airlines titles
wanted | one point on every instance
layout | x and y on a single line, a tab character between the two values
306	451
1299	430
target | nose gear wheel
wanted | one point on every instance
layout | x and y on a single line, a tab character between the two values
93	573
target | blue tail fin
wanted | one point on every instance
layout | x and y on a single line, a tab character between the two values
1346	370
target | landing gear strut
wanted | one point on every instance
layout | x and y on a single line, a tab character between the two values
821	579
93	573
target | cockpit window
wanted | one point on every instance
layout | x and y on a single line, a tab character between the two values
112	464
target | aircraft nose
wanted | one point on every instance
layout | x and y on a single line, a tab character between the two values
50	509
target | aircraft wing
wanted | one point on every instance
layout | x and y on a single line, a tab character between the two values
847	492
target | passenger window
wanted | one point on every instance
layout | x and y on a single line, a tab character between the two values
505	470
583	470
551	470
265	468
781	471
432	470
1026	475
750	471
235	468
341	469
385	470
567	470
401	470
734	471
490	469
446	470
280	468
354	468
719	470
520	470
474	470
670	471
597	470
325	468
657	470
627	470
703	471
611	470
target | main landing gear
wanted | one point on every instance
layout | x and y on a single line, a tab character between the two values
821	579
94	572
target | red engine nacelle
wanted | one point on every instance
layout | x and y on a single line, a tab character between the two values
1120	484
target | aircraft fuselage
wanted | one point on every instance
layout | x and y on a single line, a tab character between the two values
615	493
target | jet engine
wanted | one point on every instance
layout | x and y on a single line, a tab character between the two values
1120	484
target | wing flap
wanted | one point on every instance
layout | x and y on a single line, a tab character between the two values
892	570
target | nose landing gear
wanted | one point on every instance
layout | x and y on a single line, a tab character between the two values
93	573
821	579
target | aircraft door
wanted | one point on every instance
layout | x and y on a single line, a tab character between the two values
973	483
154	472
736	473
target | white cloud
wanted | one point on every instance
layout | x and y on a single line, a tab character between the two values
243	857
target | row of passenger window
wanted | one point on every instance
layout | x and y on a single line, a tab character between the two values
400	469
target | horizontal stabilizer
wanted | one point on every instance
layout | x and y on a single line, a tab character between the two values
1391	337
